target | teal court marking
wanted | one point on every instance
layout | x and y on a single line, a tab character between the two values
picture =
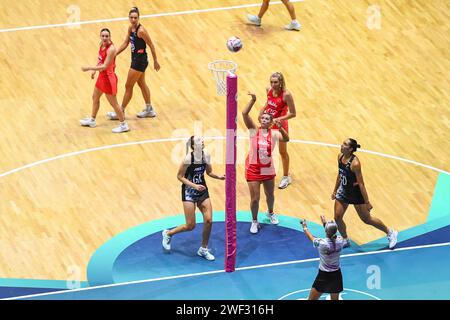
438	217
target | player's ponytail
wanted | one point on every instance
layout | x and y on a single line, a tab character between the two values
354	144
189	144
331	230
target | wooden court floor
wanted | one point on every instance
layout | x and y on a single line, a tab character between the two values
387	87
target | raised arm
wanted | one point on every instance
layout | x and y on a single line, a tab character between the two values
265	105
245	113
142	33
306	231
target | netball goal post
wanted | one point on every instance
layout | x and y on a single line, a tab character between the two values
224	73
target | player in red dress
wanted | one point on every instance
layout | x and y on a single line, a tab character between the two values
259	168
280	105
106	82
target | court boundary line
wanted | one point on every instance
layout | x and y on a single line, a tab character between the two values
75	153
147	16
443	244
348	289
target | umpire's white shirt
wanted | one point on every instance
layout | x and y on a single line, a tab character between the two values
329	253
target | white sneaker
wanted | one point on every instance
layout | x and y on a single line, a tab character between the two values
254	227
285	181
123	127
346	243
392	237
204	252
147	113
112	115
166	240
254	19
88	122
294	25
273	218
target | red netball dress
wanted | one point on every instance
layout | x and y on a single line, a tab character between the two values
107	79
277	107
259	164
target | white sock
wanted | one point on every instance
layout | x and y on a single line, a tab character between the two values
149	106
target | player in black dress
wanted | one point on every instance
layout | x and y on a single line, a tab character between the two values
195	192
350	189
139	38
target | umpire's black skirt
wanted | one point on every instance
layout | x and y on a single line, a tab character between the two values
328	282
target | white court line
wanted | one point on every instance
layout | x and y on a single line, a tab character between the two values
155	15
223	271
75	153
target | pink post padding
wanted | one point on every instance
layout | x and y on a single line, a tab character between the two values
230	173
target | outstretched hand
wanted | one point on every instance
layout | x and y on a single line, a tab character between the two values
303	223
252	95
323	219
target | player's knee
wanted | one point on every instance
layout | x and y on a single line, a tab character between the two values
367	220
128	87
207	220
285	1
254	201
190	226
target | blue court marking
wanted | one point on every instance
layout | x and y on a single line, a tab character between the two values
108	263
440	205
438	216
136	254
19	287
402	274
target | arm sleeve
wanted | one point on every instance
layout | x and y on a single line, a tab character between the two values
316	242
